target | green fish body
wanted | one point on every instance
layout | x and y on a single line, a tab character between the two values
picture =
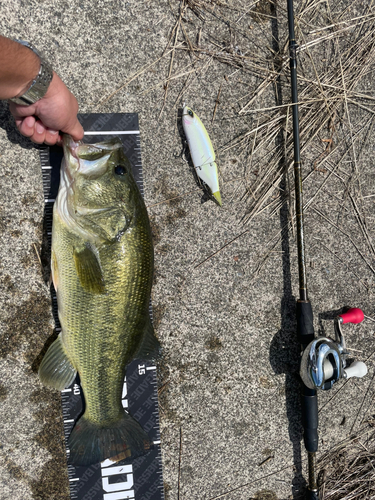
102	268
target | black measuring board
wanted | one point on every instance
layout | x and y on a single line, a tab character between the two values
141	478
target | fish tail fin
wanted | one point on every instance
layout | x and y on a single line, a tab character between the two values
90	443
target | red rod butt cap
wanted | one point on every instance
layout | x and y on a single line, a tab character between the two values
354	315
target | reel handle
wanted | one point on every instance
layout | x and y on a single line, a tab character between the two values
356	369
354	315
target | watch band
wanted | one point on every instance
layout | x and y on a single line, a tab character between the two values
40	84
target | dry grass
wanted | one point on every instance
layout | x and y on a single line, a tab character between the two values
347	471
324	99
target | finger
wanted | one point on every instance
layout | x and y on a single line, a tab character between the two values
59	141
75	131
39	133
26	125
51	137
19	111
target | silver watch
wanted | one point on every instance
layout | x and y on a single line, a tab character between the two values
41	82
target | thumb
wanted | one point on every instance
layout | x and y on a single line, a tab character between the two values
75	130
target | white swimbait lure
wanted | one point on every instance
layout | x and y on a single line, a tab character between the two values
201	151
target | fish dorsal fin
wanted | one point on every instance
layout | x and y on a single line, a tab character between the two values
88	270
149	347
56	370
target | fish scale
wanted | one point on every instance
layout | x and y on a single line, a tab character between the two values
90	482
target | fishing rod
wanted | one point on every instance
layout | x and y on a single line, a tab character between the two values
323	360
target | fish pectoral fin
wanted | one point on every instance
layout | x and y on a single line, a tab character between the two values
56	370
88	270
149	348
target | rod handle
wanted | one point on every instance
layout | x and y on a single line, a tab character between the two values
310	419
354	315
305	324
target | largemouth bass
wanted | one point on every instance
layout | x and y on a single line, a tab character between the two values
102	268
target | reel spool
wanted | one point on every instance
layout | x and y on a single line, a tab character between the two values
323	361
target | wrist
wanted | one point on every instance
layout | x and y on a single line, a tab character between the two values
25	86
37	87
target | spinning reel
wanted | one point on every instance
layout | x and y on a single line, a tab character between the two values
323	361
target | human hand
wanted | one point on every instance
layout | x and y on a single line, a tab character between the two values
45	120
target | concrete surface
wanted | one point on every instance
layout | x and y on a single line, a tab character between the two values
228	376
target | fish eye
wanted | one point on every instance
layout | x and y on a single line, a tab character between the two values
190	113
120	170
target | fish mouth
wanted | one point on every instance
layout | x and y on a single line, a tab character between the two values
70	147
71	162
87	159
